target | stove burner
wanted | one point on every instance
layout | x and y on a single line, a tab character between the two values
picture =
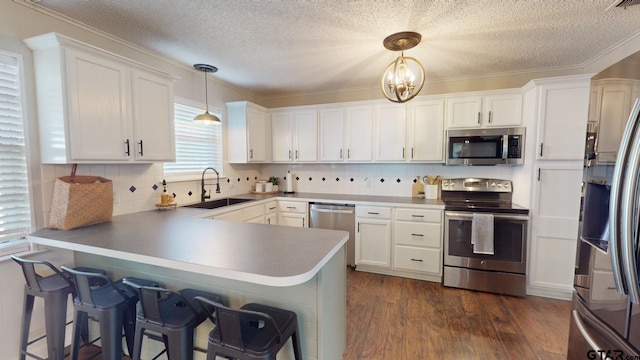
479	195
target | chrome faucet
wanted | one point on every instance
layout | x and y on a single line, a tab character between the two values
204	195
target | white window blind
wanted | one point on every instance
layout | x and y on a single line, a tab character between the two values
198	146
15	212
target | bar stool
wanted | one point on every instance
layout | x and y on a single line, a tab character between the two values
54	290
112	305
174	315
253	331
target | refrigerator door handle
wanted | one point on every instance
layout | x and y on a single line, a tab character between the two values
627	205
615	230
583	331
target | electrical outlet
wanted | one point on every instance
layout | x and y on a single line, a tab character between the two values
116	197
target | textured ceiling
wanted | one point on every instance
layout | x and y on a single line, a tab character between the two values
273	48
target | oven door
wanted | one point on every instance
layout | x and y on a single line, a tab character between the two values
510	243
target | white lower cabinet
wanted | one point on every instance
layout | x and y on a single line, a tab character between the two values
400	241
418	242
417	259
252	214
373	237
373	242
271	213
293	213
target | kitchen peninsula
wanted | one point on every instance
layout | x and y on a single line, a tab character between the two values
303	270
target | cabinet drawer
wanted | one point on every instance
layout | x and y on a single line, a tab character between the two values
417	259
423	215
292	206
252	212
375	212
418	234
271	206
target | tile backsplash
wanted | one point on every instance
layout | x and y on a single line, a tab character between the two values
137	187
372	179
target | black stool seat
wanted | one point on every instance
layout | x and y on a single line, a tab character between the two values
54	289
253	331
174	315
112	305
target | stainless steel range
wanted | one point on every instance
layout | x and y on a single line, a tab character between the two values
485	244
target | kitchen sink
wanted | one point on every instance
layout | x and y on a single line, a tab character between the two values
214	204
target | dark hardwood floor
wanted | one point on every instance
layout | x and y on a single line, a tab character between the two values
395	318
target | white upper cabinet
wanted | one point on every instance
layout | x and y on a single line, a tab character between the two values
331	134
282	136
97	107
248	133
390	131
359	133
485	110
425	130
610	105
295	135
152	104
562	128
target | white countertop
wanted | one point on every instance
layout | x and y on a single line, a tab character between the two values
262	254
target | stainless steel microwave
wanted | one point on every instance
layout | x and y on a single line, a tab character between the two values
492	146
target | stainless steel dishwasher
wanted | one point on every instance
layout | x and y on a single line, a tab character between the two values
336	217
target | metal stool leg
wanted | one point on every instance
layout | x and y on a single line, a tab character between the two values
79	318
55	315
111	335
26	324
181	345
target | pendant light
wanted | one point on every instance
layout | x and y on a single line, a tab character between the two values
403	78
206	118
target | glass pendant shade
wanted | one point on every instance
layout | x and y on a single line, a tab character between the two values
206	118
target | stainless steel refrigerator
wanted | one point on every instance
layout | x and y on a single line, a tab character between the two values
605	320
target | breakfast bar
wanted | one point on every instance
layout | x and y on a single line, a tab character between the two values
303	270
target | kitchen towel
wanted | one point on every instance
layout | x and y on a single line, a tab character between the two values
482	233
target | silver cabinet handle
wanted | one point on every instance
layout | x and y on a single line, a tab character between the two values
272	208
417	216
479	117
251	154
340	154
417	235
541	147
490	117
292	207
128	152
348	153
141	150
419	260
289	154
297	154
373	213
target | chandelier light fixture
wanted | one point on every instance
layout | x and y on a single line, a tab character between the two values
206	118
403	79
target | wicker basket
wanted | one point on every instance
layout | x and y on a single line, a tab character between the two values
80	201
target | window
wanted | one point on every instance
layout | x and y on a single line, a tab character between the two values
198	146
15	209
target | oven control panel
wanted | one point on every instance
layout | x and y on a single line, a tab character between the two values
476	184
